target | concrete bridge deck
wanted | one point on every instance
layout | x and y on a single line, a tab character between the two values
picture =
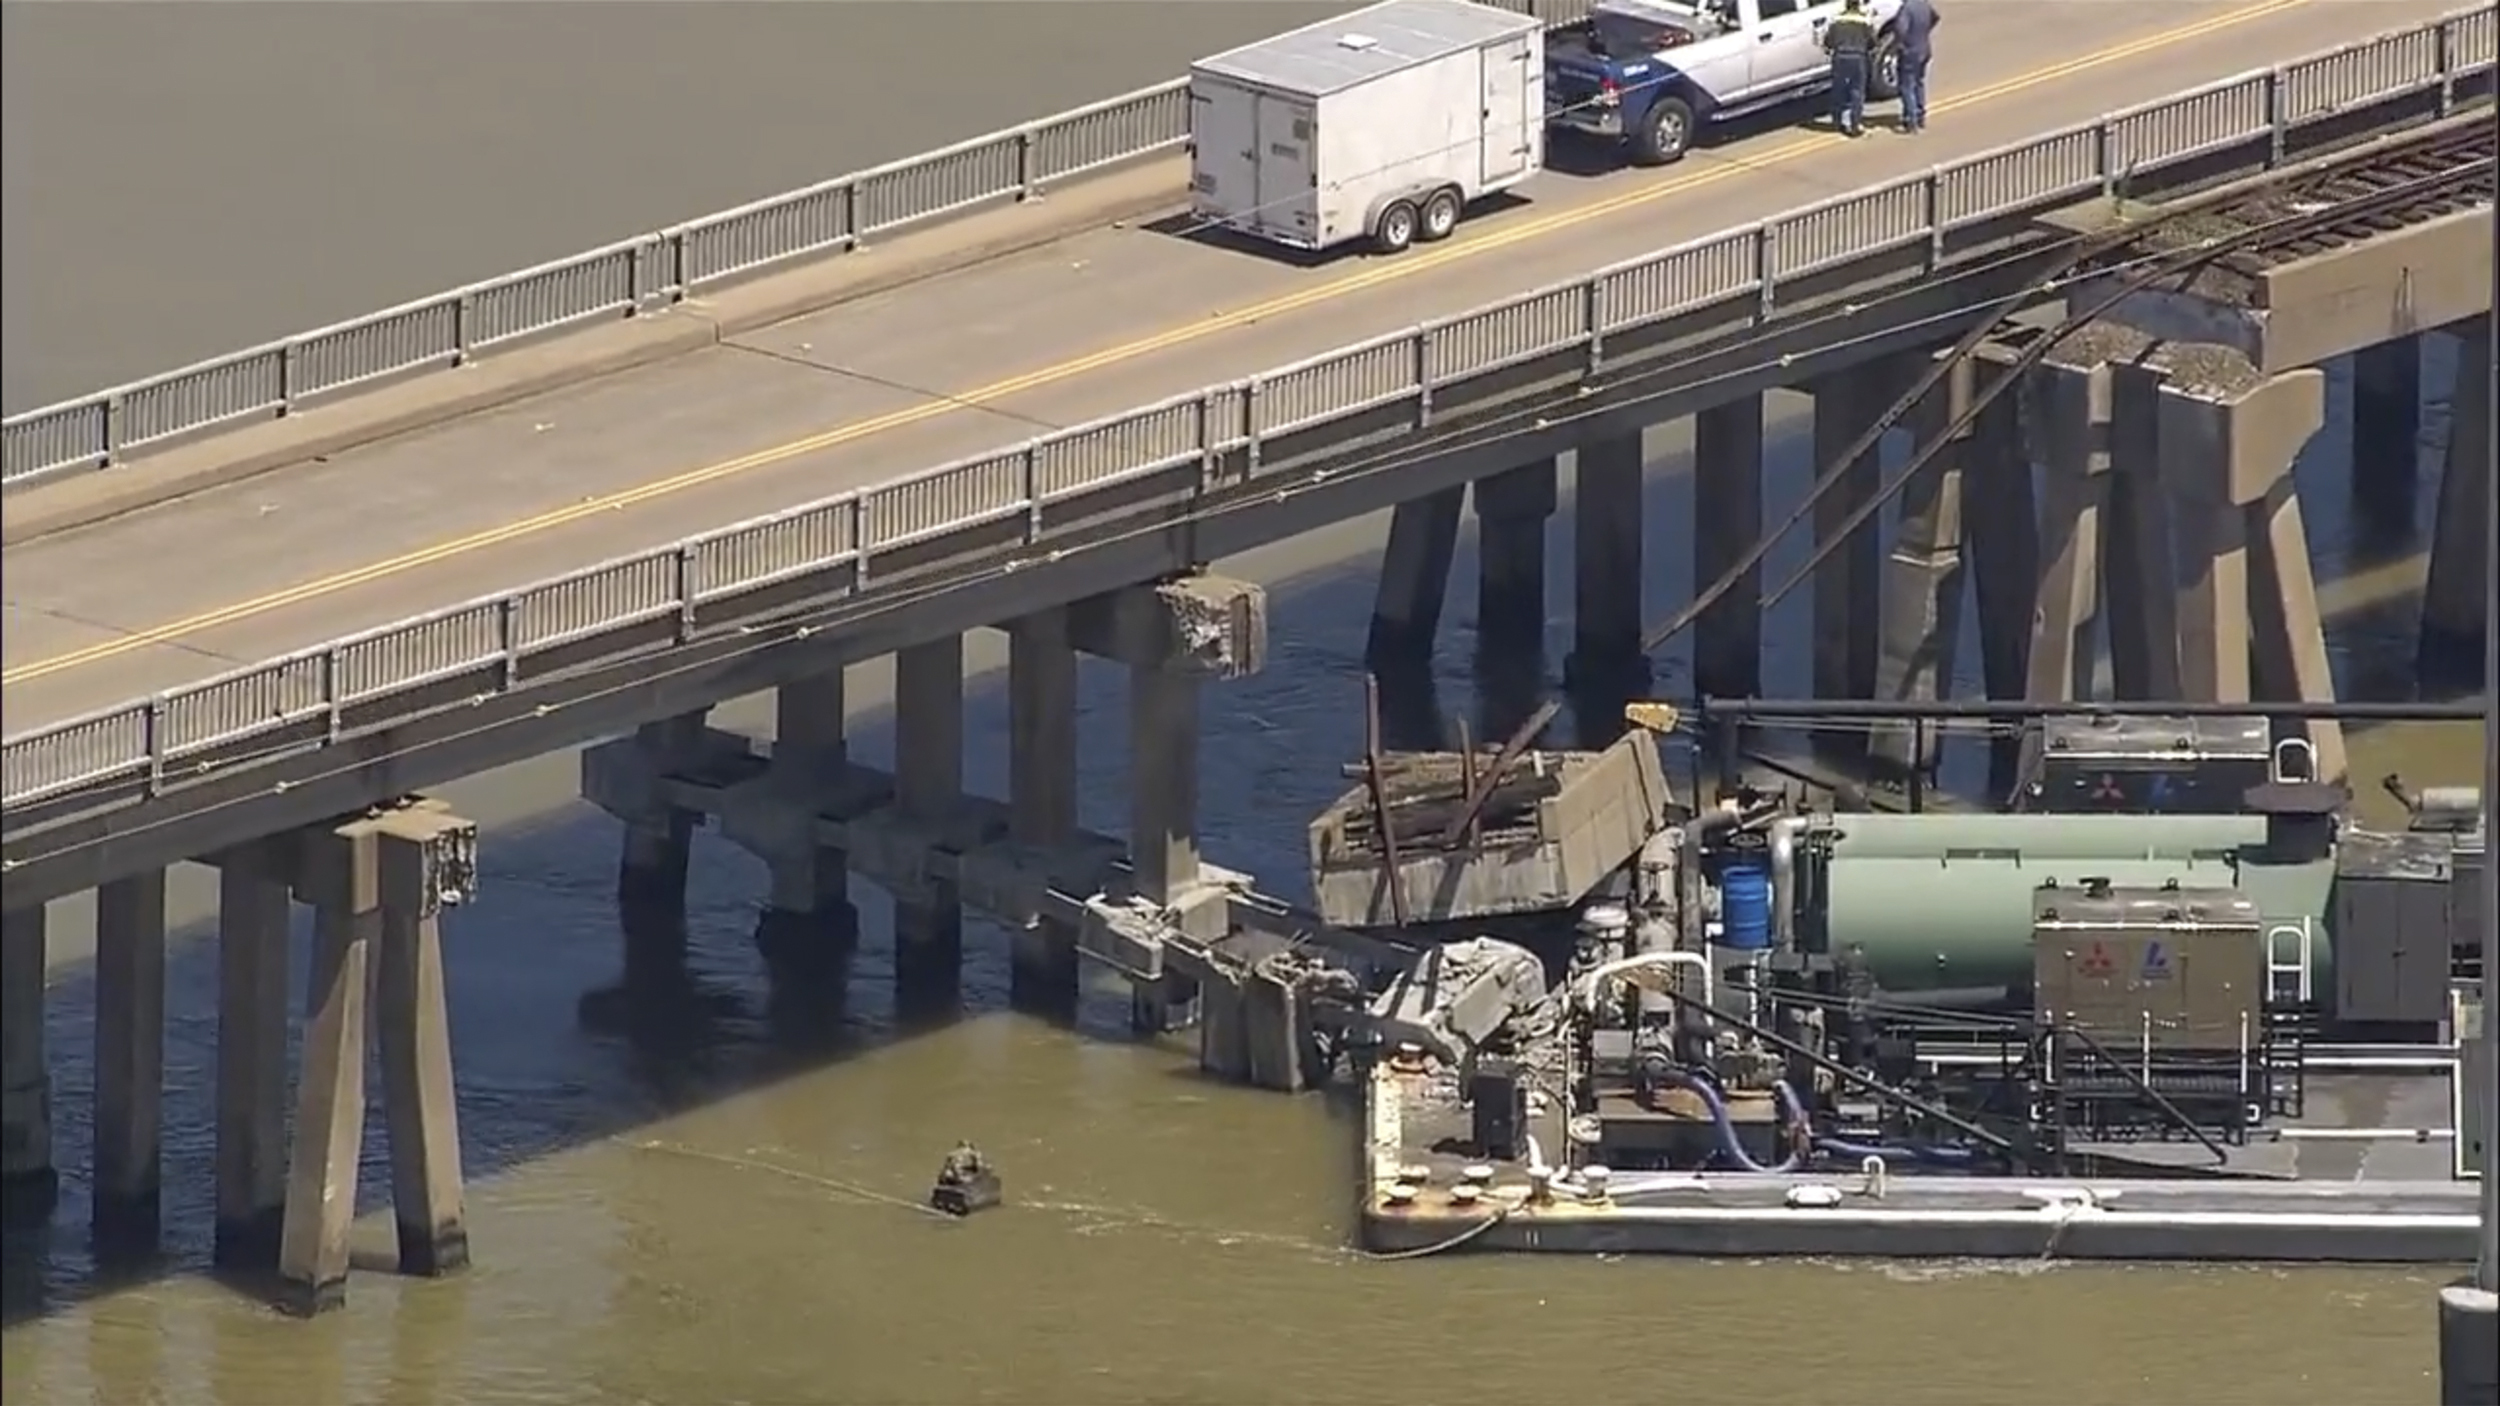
983	360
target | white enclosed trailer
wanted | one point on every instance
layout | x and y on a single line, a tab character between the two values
1383	123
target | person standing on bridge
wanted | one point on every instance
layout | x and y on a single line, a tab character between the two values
1850	40
1913	30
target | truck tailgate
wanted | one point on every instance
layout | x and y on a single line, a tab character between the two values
1574	76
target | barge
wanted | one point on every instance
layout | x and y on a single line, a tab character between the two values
2112	1022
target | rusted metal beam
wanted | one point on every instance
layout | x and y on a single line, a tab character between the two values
1378	783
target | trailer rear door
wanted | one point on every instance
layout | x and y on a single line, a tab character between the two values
1288	176
1514	109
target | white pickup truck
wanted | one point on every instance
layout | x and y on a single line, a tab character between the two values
1653	74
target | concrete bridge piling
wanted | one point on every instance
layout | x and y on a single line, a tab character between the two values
2130	509
2456	600
378	884
1920	595
1848	586
1414	580
2385	462
1727	514
129	1062
1041	797
813	815
1607	663
27	1179
928	782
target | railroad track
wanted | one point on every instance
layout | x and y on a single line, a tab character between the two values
2443	172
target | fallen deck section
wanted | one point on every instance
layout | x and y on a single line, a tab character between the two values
1555	826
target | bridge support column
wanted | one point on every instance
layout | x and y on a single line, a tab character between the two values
928	780
330	1082
2211	543
2142	608
2001	540
1848	587
377	885
252	921
1173	637
424	857
129	1064
28	1183
1041	768
1512	508
2454	603
1607	666
1163	820
651	880
2229	436
2066	414
2288	629
1922	590
1727	518
809	926
2386	434
1414	580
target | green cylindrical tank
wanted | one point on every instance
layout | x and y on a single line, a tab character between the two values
1946	901
2043	836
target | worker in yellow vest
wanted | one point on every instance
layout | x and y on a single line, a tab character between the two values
1850	40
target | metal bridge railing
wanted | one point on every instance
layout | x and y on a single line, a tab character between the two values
714	583
627	279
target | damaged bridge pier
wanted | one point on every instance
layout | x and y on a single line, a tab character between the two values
1151	909
2173	542
2104	478
2372	293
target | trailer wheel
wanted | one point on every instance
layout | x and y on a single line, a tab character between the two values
1395	230
1440	217
1665	133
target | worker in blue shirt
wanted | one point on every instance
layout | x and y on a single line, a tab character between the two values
1850	40
1913	29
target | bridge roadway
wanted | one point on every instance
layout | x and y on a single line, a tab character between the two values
873	390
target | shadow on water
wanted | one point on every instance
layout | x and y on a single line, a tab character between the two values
553	1055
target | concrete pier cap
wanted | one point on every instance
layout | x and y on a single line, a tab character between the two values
2301	312
1210	626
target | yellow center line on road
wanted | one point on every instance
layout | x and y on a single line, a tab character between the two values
1469	245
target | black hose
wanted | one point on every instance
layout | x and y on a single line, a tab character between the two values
1883	1091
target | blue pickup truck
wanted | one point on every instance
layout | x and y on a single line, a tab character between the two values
1653	74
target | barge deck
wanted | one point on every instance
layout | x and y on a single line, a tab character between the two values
2368	1174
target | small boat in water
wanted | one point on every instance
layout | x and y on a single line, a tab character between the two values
966	1182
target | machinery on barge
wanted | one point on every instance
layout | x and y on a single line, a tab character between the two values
2126	972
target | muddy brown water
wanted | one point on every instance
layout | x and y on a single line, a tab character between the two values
712	1210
